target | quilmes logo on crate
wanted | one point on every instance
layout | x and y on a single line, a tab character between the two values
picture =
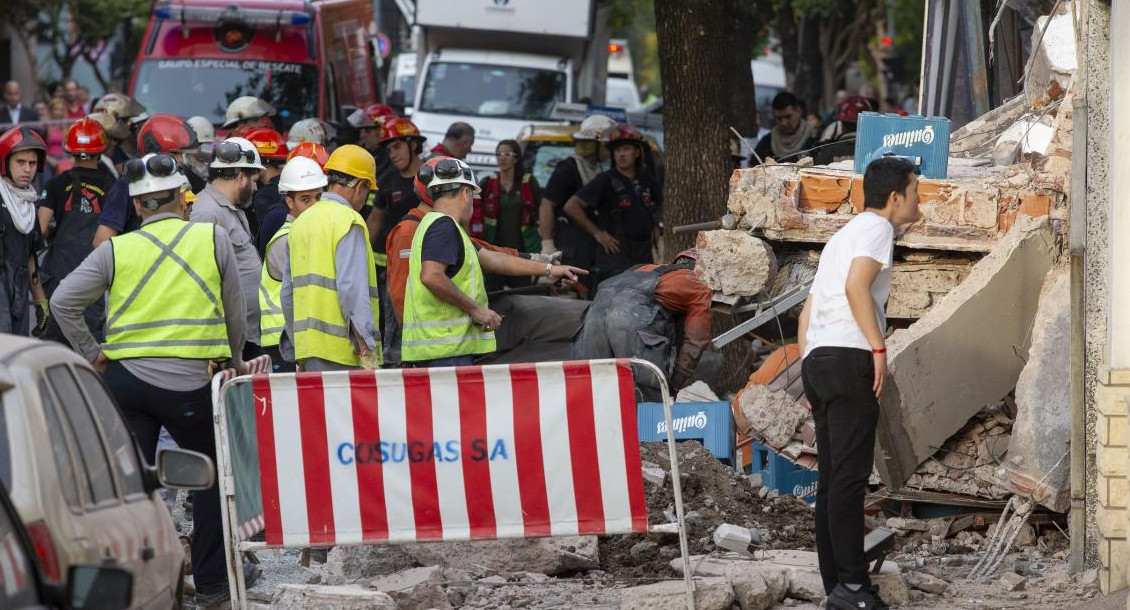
906	138
682	424
804	492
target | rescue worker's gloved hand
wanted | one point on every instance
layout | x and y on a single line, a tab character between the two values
370	360
42	316
548	247
544	257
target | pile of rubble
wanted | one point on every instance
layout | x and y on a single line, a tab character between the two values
969	462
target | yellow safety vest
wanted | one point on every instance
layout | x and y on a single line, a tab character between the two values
434	329
166	299
272	322
320	329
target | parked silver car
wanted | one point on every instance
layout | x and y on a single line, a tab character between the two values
76	476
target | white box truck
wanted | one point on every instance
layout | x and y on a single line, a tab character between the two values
503	64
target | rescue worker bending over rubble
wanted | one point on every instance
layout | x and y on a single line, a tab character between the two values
175	306
627	199
841	334
635	315
301	183
447	321
329	292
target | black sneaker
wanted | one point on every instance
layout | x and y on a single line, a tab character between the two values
215	594
864	599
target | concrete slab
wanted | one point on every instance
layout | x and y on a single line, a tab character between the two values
542	555
966	352
348	597
709	594
1037	463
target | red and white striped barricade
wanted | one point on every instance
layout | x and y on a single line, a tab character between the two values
401	456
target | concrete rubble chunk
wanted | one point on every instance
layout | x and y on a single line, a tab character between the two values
654	475
803	569
1036	465
737	567
1011	581
345	597
415	589
773	415
1054	62
709	594
925	582
550	556
734	262
698	391
961	355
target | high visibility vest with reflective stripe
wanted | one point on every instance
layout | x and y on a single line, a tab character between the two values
320	329
434	329
271	319
166	297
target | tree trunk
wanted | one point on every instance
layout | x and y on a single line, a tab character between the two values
810	66
704	55
704	52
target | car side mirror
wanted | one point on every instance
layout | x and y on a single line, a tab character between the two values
93	587
184	469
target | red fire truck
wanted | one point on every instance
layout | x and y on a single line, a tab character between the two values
307	58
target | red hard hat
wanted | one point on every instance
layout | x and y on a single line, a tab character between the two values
21	138
166	133
85	137
849	109
690	253
421	189
373	115
400	129
623	133
268	142
310	150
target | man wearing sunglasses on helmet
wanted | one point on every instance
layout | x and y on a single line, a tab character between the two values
447	319
175	306
233	173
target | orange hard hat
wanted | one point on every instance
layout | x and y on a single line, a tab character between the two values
85	137
421	188
373	115
268	142
165	133
310	150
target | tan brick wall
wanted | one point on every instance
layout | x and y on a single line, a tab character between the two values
1112	459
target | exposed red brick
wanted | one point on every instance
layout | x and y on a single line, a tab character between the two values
1035	204
819	192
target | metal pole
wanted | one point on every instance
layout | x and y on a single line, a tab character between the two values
1077	241
678	485
224	480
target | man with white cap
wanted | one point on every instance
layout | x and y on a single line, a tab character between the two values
175	306
569	176
233	172
247	112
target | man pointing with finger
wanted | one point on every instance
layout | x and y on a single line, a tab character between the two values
841	335
447	319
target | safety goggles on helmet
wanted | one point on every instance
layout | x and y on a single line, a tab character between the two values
153	173
447	174
230	152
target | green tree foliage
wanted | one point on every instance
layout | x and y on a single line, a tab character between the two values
80	29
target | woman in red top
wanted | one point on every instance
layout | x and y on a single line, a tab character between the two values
58	161
507	214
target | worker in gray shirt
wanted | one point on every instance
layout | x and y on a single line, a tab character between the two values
175	308
234	169
329	291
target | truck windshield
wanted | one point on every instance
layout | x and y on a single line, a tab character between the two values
189	87
492	91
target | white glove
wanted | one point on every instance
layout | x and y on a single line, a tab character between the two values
548	247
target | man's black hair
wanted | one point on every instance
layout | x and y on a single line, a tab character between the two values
785	99
884	176
459	130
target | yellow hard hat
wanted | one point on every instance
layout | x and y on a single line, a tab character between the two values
355	161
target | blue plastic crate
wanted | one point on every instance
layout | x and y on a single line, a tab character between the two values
709	422
923	140
784	476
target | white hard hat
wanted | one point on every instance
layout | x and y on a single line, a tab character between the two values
205	131
301	174
235	153
594	127
307	130
439	174
246	108
153	173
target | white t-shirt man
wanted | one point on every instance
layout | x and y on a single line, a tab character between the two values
830	322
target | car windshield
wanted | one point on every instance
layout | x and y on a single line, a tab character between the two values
492	91
189	87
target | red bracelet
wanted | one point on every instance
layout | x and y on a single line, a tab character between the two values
879	351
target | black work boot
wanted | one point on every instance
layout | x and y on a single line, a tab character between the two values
867	598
